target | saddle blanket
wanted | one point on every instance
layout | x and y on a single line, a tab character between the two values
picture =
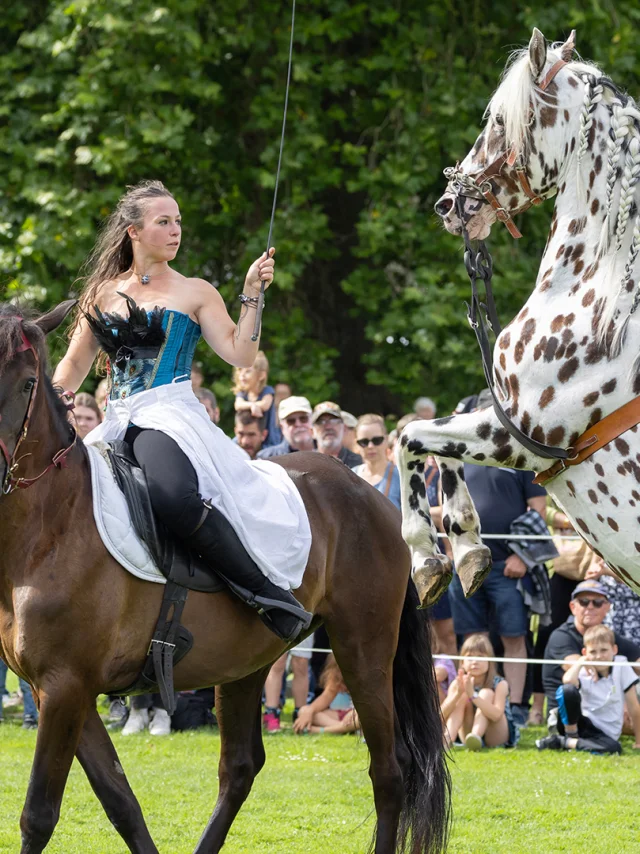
113	521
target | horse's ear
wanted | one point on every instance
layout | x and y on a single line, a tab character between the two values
567	49
52	319
537	53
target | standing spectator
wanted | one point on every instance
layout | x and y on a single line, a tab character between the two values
377	469
250	433
255	396
294	414
500	495
30	712
424	407
592	699
197	377
349	438
87	413
300	658
589	606
210	402
328	430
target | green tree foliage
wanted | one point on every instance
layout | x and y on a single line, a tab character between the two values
368	303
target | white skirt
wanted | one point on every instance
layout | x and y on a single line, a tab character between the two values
257	497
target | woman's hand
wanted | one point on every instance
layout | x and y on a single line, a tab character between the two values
260	271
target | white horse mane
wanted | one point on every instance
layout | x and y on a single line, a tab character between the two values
518	101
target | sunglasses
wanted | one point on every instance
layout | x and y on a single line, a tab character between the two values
364	443
297	419
584	603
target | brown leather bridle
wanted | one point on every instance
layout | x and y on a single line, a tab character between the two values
478	184
59	460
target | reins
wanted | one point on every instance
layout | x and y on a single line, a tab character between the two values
59	459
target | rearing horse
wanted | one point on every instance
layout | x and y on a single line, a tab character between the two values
75	624
566	369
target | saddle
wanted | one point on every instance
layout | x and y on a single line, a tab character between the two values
183	570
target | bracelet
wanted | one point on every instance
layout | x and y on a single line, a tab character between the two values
245	300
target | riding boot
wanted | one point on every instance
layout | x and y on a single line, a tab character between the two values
215	540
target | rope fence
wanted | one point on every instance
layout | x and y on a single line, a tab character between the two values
518	537
509	660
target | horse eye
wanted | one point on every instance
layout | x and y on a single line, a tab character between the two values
499	120
28	386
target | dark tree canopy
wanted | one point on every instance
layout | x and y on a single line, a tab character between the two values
368	302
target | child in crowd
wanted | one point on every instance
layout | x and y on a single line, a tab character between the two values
253	394
477	706
591	699
333	710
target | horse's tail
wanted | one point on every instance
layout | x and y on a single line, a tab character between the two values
426	813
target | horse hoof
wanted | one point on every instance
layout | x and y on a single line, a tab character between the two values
432	579
473	569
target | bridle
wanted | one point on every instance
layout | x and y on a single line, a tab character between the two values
477	185
59	460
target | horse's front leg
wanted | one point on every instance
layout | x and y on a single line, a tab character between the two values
475	438
63	708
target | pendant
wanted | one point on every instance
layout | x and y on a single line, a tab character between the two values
145	279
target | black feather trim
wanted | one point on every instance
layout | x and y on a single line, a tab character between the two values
141	329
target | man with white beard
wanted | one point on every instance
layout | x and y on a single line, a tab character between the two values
294	415
328	430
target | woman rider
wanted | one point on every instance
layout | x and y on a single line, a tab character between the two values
245	518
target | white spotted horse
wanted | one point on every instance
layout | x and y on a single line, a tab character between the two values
565	377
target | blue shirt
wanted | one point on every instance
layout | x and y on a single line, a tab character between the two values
392	490
274	436
500	495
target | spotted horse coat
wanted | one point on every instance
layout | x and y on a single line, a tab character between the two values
570	357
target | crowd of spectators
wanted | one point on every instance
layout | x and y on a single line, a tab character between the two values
527	606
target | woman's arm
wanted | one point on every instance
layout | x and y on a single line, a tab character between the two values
232	341
74	366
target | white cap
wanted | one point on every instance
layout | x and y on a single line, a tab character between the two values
293	404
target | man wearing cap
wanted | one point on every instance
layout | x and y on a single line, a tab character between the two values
294	415
349	439
589	606
328	431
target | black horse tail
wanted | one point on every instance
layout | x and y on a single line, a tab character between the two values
426	813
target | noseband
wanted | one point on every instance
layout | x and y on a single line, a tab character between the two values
59	460
477	185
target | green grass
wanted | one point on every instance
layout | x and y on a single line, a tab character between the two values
314	796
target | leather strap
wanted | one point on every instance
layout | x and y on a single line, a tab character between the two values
596	437
551	73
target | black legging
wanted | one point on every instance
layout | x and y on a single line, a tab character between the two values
172	480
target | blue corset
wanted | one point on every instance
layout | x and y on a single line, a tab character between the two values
147	349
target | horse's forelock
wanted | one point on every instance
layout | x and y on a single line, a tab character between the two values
14	321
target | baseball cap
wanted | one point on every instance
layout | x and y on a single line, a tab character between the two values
350	420
293	404
327	407
591	586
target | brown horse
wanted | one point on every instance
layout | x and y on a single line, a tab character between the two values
74	624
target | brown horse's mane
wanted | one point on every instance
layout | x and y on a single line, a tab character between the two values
14	320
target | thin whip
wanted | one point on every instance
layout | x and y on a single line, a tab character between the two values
260	305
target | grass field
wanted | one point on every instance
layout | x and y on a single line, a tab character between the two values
313	796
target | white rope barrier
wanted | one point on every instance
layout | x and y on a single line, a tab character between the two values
522	537
509	660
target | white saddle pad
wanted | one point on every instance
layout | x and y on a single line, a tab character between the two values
113	521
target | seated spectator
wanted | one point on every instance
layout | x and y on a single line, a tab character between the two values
589	606
349	438
249	432
87	413
328	431
424	407
210	402
29	709
377	469
300	658
294	414
332	711
476	708
591	699
255	396
446	673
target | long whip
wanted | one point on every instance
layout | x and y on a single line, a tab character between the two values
260	304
